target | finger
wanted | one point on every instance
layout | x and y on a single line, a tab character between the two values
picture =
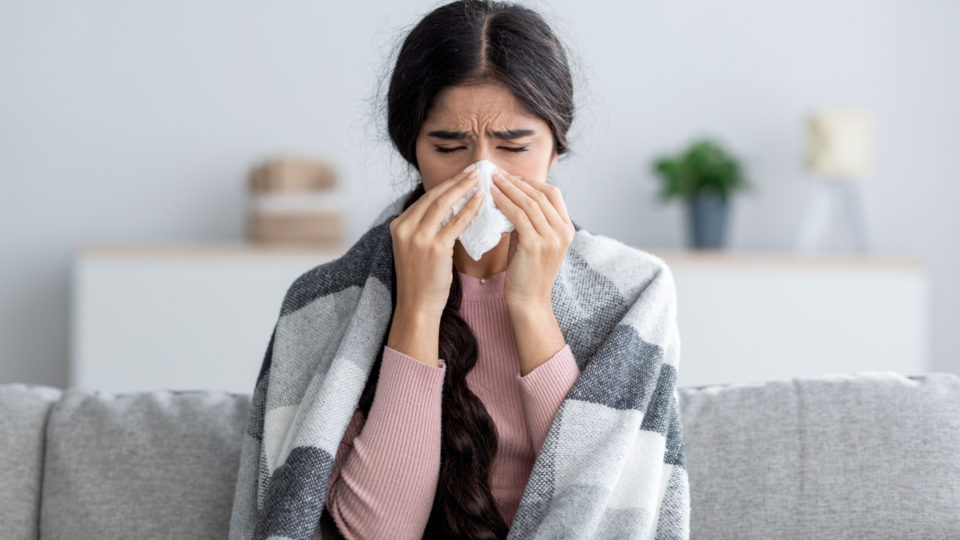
556	197
455	227
431	194
529	206
442	205
546	205
512	210
419	208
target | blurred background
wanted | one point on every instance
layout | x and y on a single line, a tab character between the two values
169	168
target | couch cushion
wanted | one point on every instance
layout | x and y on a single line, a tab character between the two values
158	464
867	455
23	414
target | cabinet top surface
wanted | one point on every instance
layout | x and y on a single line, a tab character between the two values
673	257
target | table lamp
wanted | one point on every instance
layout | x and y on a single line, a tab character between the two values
840	152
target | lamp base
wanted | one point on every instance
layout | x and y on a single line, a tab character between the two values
818	209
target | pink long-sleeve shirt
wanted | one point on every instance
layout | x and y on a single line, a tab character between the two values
386	469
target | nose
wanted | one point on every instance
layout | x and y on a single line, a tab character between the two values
481	152
482	149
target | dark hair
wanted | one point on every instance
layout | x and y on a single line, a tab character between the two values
470	42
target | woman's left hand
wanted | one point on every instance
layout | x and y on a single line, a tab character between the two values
542	233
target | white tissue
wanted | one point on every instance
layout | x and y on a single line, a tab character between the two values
484	230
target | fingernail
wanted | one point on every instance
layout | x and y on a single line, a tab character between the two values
467	169
494	189
474	174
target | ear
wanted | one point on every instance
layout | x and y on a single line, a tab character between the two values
553	160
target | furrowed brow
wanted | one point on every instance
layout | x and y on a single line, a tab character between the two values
508	134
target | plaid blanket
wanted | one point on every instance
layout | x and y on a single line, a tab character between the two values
612	465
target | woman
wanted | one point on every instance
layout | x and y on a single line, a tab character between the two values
474	115
462	398
472	81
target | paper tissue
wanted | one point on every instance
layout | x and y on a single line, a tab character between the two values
489	223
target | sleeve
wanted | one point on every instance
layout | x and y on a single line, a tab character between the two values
543	391
385	474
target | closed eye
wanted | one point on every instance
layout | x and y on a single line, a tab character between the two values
507	148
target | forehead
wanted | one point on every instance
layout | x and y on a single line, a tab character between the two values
487	102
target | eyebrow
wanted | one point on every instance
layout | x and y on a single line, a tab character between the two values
508	134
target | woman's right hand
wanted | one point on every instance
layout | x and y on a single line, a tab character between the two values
423	249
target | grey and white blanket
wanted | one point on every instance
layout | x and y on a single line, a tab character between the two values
612	465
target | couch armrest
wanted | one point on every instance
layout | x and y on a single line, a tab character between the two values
23	415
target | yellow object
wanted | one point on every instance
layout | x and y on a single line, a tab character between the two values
841	143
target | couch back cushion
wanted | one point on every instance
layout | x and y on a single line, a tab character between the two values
866	455
23	413
159	464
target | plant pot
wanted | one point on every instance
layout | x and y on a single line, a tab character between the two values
707	213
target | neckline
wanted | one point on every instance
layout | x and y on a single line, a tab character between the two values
474	287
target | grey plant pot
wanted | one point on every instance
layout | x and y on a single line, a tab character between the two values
708	214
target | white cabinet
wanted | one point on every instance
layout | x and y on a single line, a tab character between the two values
200	317
178	317
750	318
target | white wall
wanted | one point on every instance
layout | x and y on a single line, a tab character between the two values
137	122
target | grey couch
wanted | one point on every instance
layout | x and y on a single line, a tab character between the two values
870	455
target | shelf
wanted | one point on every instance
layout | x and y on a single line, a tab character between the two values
672	257
198	316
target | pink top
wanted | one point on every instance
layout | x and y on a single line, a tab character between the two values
385	472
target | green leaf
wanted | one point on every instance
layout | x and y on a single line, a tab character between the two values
703	166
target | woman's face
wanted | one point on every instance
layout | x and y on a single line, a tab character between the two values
470	123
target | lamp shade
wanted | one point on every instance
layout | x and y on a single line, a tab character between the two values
841	143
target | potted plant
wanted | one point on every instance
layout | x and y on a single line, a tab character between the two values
705	176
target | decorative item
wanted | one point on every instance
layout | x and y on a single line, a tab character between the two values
294	202
840	151
705	176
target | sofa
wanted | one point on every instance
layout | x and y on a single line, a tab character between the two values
865	455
